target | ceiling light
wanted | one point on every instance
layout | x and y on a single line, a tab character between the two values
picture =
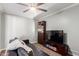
32	8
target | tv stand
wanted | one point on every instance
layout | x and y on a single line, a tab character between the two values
46	50
59	48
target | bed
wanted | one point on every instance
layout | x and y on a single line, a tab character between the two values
21	52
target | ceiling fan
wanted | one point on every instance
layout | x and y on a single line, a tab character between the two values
33	6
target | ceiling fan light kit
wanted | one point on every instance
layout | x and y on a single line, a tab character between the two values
33	7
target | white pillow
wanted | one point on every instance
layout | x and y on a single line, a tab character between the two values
18	43
14	44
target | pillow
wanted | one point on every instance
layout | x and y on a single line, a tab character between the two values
18	43
22	52
14	44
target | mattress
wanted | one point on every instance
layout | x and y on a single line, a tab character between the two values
21	52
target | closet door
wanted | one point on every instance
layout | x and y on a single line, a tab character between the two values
41	32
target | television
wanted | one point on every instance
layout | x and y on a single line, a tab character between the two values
56	36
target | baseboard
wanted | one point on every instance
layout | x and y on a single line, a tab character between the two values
75	53
34	42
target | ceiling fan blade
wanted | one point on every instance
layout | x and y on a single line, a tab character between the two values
42	9
38	4
22	4
26	10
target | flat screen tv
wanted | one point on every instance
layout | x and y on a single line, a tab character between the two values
55	36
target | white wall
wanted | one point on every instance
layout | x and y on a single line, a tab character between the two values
19	27
14	26
0	30
69	22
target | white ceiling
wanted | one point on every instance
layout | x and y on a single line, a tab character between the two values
16	9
